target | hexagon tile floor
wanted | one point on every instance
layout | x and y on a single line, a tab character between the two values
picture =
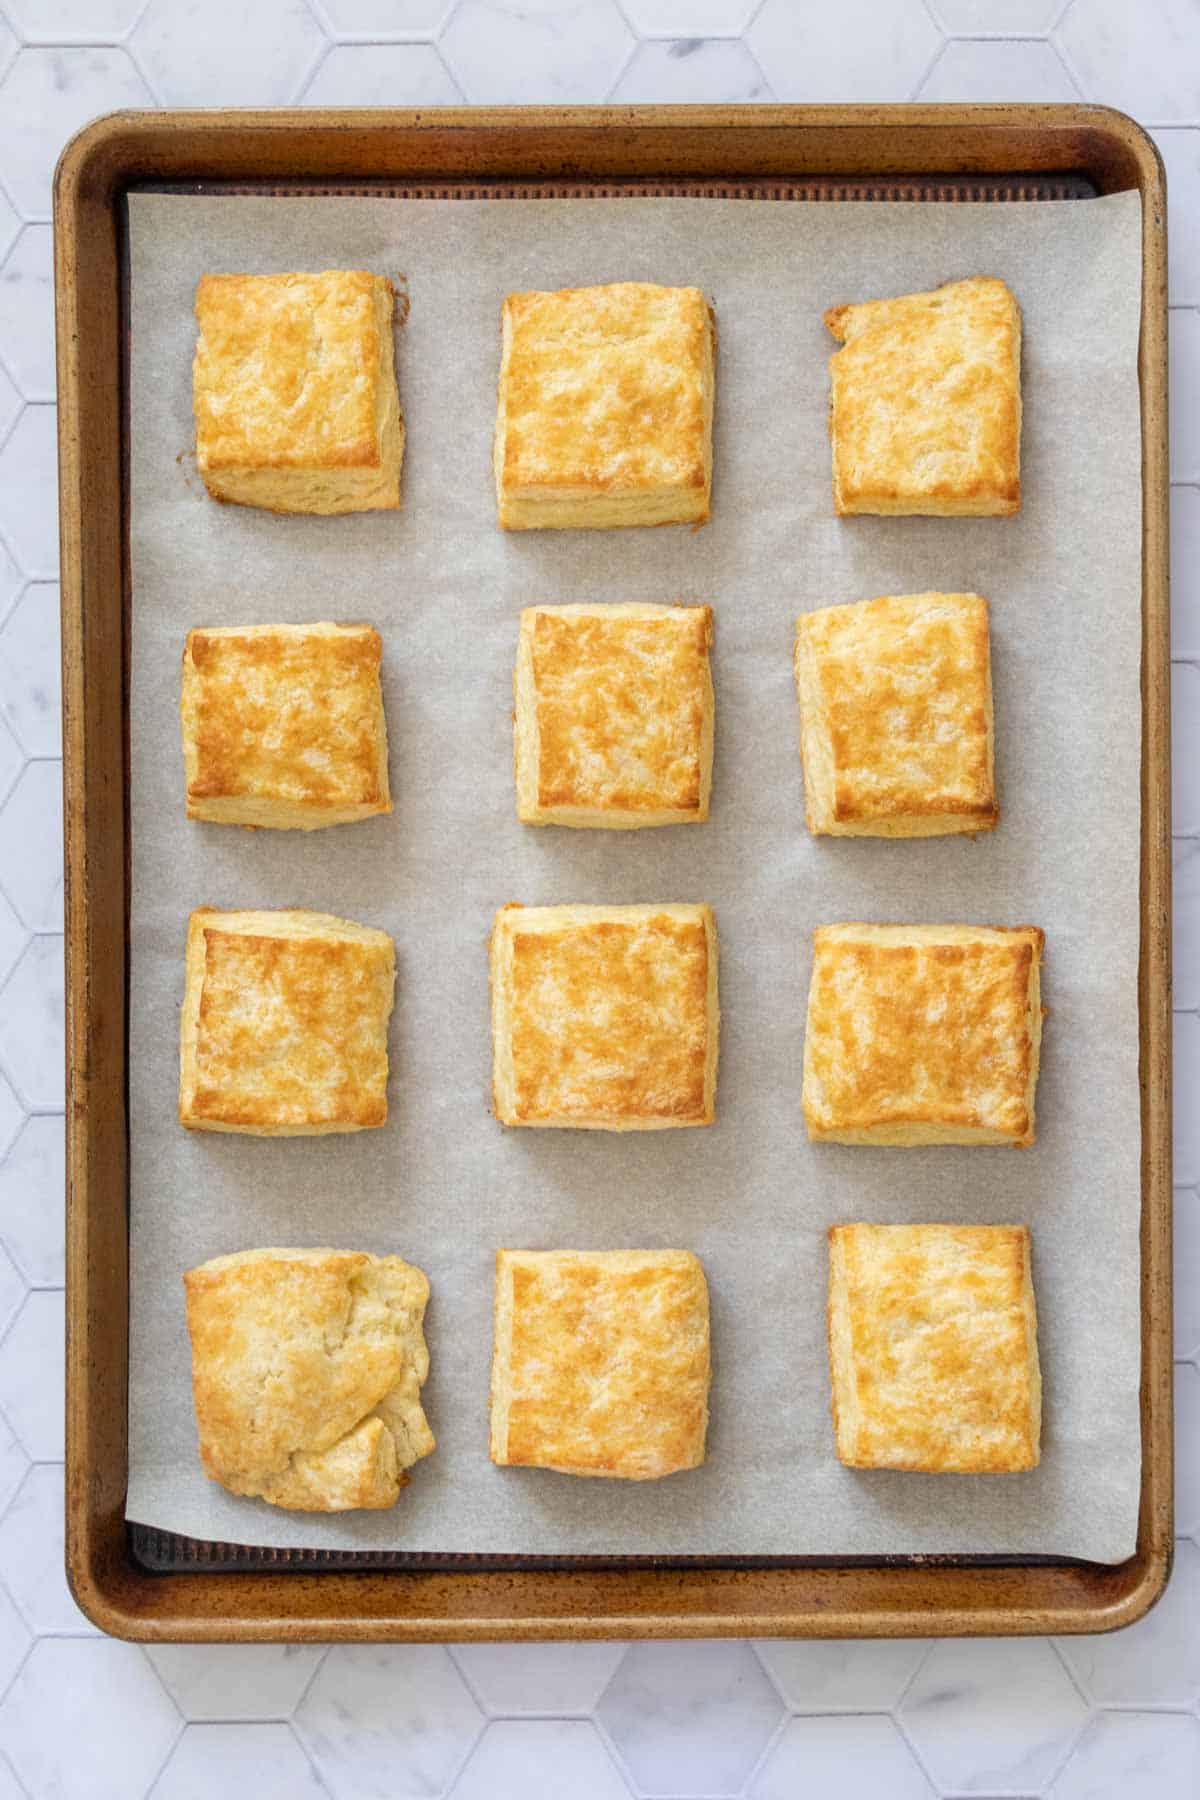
87	1719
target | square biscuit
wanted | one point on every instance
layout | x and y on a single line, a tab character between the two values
307	1368
601	1362
614	715
294	390
284	1025
604	1017
925	402
283	725
923	1034
605	407
933	1348
896	716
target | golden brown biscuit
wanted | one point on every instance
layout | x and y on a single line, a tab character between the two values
896	716
294	387
284	1025
604	1017
933	1348
601	1362
307	1367
923	1034
925	403
614	715
605	407
283	725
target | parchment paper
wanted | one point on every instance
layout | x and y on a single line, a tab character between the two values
443	1184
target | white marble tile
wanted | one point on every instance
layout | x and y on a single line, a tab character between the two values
855	47
12	1114
32	1178
1181	158
544	50
10	403
31	1199
1185	749
1187	1087
819	1756
13	937
386	1721
45	97
1134	1756
999	70
59	20
12	760
1155	1662
993	1715
1144	58
691	70
842	1675
14	1464
31	1023
1185	571
236	1681
1187	1276
86	1719
31	1555
31	670
516	1758
263	1760
31	1375
9	45
225	53
1185	960
10	223
384	18
1185	395
690	1718
996	17
382	75
12	1291
27	312
31	857
29	489
538	1678
1187	1450
689	18
15	1640
11	582
10	1787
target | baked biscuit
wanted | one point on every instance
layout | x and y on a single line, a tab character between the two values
604	1017
294	388
896	716
614	715
284	1025
923	1034
933	1348
307	1367
605	407
925	403
601	1362
283	725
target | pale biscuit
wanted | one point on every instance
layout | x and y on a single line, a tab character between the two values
613	722
925	402
601	1362
605	407
307	1368
923	1034
933	1348
604	1017
283	1031
294	389
283	725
